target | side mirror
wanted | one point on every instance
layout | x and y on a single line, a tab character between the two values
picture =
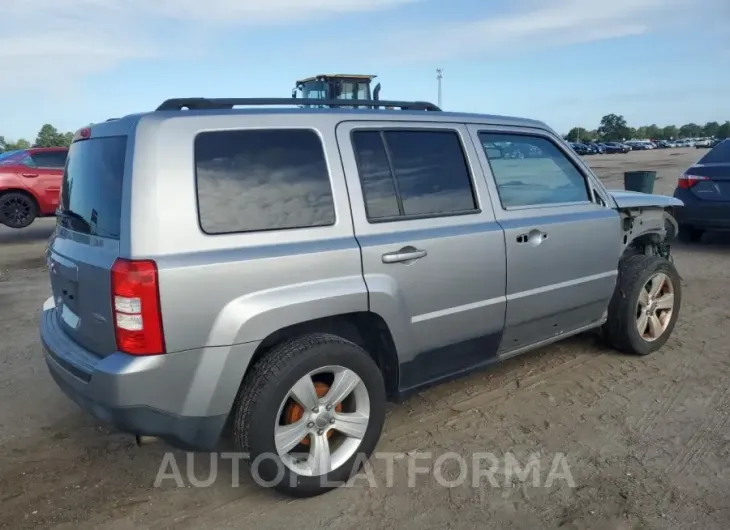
493	152
294	93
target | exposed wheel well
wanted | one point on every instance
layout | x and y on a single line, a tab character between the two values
22	192
367	330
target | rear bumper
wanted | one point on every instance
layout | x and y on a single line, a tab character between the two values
183	398
704	215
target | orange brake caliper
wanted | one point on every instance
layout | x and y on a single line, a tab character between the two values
294	411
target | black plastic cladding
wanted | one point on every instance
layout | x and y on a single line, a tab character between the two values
229	103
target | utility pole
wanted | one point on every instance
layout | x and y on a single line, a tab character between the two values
439	77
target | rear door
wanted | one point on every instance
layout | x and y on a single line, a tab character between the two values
432	254
86	241
563	244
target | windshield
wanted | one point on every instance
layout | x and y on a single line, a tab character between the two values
314	90
353	90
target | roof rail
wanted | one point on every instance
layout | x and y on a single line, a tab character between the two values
223	103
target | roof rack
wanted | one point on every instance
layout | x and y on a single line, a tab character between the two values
223	103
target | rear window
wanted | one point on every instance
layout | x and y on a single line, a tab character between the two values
91	192
258	179
720	154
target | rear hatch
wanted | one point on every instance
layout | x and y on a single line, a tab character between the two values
86	242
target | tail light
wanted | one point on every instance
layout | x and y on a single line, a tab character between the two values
136	307
687	180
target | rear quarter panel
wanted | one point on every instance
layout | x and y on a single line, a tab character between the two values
235	288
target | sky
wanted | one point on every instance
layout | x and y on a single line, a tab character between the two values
565	62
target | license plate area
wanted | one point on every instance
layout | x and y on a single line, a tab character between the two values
65	287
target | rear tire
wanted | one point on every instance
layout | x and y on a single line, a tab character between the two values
268	406
689	234
634	306
17	209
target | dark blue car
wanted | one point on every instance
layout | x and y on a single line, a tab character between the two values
705	190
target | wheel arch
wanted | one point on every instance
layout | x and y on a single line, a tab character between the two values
22	191
364	328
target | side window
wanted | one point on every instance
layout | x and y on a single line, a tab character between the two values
413	173
50	159
27	160
378	185
255	180
532	170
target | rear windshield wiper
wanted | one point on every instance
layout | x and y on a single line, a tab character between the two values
73	221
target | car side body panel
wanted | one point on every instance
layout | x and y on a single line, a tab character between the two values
552	290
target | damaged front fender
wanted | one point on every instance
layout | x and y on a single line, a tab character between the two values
647	221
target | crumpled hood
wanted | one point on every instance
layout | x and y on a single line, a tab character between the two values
635	199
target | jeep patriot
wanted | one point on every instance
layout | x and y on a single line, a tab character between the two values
278	273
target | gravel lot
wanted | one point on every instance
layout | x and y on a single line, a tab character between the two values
647	440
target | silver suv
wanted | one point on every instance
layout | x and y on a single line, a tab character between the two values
285	271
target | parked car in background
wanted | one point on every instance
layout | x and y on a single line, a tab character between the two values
705	143
581	149
6	154
615	147
640	145
705	190
30	183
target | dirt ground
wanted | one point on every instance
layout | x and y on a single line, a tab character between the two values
646	440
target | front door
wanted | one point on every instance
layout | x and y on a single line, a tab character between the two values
433	255
562	243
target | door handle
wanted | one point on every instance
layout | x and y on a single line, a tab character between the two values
533	237
403	255
30	175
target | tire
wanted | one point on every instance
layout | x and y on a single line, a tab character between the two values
621	328
17	209
688	234
263	400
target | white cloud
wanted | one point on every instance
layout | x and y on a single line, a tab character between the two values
46	43
536	25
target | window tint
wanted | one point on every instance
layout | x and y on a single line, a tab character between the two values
427	174
530	170
91	192
50	159
254	180
720	154
377	181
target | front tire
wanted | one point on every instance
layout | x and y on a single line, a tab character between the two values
17	210
309	414
645	305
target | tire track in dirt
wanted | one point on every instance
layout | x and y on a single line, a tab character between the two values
679	386
698	445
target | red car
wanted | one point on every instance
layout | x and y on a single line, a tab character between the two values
30	184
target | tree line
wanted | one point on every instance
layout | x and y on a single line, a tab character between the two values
614	128
48	136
